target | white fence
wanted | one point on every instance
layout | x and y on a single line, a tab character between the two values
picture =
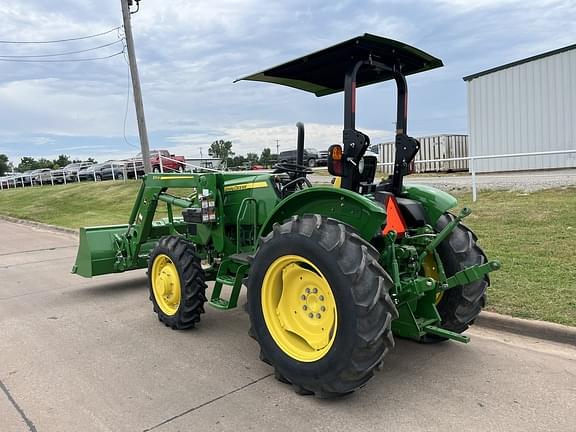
120	172
471	160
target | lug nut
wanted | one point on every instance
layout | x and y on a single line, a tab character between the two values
323	309
307	290
303	297
311	315
305	307
318	315
315	290
321	298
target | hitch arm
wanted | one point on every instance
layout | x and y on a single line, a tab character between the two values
442	235
470	274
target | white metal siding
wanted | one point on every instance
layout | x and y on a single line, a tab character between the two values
431	148
530	107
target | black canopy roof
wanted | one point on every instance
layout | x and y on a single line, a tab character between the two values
322	72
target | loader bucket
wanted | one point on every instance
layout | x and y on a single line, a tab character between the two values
97	250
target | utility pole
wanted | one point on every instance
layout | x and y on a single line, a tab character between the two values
136	85
277	148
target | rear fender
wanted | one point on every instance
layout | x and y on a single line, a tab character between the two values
365	215
435	201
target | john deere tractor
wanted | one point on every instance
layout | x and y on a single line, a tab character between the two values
332	273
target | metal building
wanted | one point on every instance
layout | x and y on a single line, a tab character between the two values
525	106
431	148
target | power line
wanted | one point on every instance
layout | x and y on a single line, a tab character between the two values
62	53
61	40
62	60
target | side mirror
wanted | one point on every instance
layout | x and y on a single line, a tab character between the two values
335	162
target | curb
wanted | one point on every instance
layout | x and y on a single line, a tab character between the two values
531	328
47	227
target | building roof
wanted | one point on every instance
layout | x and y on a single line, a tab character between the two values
519	62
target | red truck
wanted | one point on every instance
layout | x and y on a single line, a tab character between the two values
170	162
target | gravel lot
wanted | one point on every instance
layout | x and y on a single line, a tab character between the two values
526	181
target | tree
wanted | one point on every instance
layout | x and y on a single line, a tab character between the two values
4	164
237	161
94	161
252	157
45	163
27	163
266	156
62	161
221	149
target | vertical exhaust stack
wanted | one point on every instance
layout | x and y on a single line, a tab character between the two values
300	145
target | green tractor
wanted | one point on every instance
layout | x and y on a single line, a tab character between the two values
333	273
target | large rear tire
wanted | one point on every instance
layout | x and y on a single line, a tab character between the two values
319	306
461	305
176	281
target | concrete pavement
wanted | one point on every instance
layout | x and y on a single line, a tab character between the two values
89	355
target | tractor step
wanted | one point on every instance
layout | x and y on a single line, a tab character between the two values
231	273
242	258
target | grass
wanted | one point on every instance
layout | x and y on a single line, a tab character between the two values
533	235
73	205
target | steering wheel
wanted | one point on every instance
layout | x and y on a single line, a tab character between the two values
291	168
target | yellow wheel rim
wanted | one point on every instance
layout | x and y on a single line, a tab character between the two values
430	268
166	284
299	308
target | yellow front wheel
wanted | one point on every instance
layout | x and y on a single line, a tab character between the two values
176	280
319	306
165	283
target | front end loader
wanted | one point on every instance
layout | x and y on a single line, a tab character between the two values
333	274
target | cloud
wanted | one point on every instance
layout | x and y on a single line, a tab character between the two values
254	137
190	52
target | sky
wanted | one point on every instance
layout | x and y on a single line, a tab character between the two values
190	52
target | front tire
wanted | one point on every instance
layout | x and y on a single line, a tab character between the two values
176	282
319	306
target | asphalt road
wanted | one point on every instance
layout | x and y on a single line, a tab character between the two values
89	355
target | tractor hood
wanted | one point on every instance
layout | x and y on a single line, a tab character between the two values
322	72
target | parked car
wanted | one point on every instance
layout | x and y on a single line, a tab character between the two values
170	162
322	158
72	170
134	166
7	182
118	170
21	179
289	156
43	176
93	172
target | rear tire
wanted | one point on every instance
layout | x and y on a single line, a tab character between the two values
461	305
180	262
358	288
311	163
